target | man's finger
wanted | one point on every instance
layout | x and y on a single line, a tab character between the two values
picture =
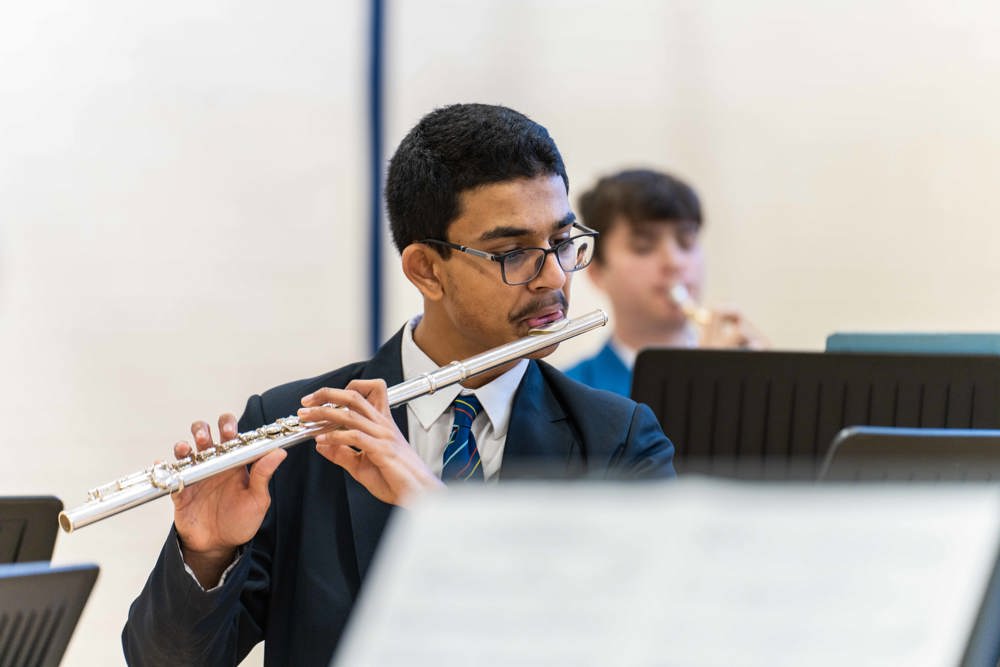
342	398
346	420
393	477
344	456
374	391
378	451
262	471
227	427
202	434
351	407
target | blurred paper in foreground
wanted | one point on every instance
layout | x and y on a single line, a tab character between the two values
695	573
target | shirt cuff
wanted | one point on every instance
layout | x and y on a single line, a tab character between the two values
225	573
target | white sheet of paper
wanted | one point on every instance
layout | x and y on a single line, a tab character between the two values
699	573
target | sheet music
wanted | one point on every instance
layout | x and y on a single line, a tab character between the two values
693	573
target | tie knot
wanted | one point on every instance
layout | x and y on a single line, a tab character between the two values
466	409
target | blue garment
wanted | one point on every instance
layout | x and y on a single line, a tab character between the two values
296	582
605	370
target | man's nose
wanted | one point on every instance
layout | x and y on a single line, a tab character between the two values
672	257
552	275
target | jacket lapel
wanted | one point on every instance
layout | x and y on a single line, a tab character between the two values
540	441
368	513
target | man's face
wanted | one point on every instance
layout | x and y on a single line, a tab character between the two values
642	262
521	213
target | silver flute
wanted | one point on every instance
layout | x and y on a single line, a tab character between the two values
161	479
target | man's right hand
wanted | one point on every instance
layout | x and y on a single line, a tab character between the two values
727	328
218	514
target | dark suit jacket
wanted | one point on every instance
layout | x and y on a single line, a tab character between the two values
297	580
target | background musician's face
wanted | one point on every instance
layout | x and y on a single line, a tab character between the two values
642	261
481	310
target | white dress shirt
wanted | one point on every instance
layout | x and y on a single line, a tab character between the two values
430	417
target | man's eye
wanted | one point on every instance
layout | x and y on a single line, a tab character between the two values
687	237
642	245
513	257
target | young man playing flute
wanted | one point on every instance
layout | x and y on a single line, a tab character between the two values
478	204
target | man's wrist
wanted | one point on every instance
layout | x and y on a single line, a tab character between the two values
208	566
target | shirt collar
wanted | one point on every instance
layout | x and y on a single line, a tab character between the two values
623	352
628	354
496	397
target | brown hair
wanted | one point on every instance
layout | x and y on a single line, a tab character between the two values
637	195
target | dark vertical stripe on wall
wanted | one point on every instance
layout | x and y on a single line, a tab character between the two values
375	67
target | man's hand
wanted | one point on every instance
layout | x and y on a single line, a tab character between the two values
367	444
728	328
216	515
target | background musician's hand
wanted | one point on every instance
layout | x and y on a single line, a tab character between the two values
216	515
368	445
728	328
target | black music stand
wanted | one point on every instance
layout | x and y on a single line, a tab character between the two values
871	453
39	608
28	527
773	415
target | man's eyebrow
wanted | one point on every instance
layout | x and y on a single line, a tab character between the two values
569	219
504	232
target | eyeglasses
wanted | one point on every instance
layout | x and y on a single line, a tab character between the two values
523	265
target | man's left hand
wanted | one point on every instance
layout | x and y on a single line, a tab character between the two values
368	444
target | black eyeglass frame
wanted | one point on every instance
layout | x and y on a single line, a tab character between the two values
501	258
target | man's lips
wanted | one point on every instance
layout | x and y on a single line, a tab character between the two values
542	311
673	293
543	317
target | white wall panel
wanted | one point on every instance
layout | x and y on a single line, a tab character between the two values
183	224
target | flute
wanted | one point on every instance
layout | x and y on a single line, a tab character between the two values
161	479
697	314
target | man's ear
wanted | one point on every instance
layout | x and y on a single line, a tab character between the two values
422	266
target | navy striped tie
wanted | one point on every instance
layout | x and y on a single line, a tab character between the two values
461	456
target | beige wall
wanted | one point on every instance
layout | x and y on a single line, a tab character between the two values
845	153
182	193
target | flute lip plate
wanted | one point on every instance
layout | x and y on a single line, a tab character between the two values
551	327
559	325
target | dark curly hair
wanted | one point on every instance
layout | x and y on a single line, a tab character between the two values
458	148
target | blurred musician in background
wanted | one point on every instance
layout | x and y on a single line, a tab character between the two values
478	204
650	263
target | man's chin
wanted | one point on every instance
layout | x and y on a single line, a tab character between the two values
522	331
541	354
672	318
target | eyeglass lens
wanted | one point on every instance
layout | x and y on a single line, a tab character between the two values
572	254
